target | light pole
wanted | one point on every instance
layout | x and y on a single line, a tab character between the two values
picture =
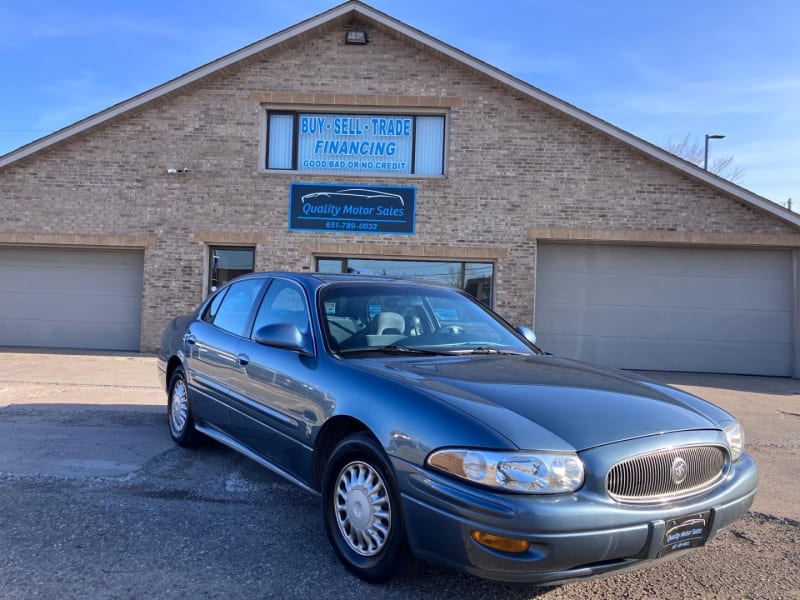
705	157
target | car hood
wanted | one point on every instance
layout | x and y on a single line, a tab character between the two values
583	405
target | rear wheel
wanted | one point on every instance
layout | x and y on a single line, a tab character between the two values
179	411
362	510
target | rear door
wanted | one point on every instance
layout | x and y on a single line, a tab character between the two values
211	345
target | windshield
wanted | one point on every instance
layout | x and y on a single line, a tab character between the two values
403	317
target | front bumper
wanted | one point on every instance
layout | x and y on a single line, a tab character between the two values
572	536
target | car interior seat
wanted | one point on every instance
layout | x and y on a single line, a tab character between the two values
389	323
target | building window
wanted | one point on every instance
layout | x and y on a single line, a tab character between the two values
477	279
280	142
227	263
356	144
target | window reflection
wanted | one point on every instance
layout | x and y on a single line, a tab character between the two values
474	278
227	263
236	306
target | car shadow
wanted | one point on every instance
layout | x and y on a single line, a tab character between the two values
418	579
426	580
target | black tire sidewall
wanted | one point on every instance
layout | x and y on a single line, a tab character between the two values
184	437
381	567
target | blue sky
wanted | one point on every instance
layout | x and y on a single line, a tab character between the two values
660	69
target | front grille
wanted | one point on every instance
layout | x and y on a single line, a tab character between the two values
667	474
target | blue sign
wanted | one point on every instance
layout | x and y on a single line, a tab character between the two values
352	209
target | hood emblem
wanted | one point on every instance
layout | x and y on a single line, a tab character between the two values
679	470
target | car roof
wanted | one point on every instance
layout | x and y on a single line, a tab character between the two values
321	278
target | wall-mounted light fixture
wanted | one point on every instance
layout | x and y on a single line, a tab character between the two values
176	170
356	36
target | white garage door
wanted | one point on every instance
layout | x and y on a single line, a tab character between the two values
724	310
60	298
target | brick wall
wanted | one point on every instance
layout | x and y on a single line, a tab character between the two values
513	166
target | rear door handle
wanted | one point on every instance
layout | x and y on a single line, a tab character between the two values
243	359
190	339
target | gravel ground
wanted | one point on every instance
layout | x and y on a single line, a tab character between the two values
95	502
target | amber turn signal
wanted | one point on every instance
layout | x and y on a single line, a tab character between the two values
499	542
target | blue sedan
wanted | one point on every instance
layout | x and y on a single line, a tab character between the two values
431	427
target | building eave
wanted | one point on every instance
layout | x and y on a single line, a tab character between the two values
739	193
177	83
355	8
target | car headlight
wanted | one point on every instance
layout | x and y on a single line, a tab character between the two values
528	472
734	434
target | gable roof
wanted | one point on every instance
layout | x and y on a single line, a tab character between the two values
354	10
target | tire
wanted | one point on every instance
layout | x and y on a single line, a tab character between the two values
179	411
370	543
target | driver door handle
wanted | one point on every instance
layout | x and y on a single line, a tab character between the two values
243	360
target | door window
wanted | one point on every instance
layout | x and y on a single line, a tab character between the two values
283	303
237	306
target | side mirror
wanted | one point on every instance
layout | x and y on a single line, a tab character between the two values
283	335
527	333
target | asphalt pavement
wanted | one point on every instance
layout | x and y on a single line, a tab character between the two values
97	502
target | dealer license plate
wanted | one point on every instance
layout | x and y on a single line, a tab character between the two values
685	532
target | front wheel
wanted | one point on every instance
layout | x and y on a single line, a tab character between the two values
362	510
179	411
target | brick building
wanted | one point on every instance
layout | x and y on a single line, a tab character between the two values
613	249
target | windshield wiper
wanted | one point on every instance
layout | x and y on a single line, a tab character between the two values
396	349
488	350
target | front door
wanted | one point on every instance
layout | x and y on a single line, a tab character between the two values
282	407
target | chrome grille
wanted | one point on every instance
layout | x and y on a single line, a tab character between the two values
660	476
